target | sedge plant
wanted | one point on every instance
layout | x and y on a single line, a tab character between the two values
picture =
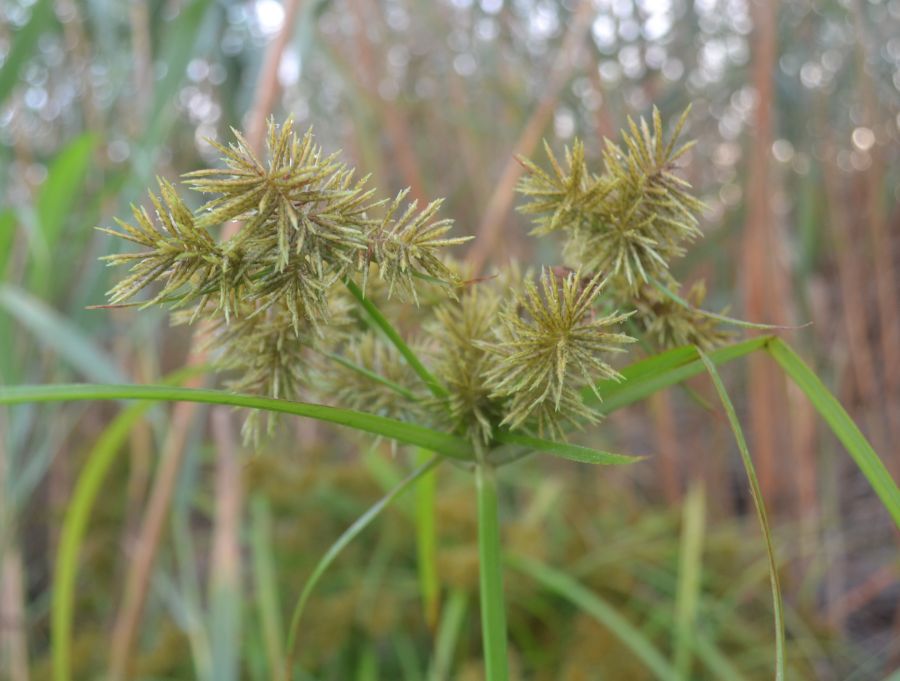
333	303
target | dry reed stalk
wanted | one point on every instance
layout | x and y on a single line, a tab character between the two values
267	85
764	290
77	49
876	214
141	562
862	594
495	214
137	580
13	640
393	119
225	568
140	450
666	435
13	632
850	281
141	53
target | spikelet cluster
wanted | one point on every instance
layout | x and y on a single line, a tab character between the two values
630	221
367	374
515	354
462	333
550	345
512	352
305	224
670	325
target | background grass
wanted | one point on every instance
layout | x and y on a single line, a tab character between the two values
794	107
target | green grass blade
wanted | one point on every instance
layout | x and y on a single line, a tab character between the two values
342	542
647	376
178	45
715	660
631	637
372	376
382	323
490	573
266	584
449	629
58	195
57	333
87	488
565	450
841	425
759	503
690	565
671	295
7	230
24	45
426	543
406	433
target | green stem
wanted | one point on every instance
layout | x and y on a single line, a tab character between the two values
381	322
371	375
339	545
493	615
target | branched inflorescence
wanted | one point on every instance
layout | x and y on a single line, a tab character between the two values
550	345
305	225
505	352
627	223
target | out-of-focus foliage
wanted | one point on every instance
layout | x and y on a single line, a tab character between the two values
98	97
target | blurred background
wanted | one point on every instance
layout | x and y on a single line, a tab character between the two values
195	553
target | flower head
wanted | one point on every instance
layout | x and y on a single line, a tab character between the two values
550	345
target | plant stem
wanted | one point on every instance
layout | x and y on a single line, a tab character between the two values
382	323
493	614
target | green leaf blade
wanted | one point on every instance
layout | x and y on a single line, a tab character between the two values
633	638
565	450
841	425
759	504
401	431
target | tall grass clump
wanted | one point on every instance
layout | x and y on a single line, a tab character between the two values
300	310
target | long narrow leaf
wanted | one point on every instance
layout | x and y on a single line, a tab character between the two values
55	332
58	195
90	481
562	584
266	583
426	543
649	375
841	425
565	450
448	632
407	433
24	45
490	573
381	322
334	551
7	229
759	503
690	564
671	295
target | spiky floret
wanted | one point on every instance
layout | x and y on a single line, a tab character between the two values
264	355
670	324
407	247
367	373
562	199
628	222
180	254
305	224
300	204
550	345
463	332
